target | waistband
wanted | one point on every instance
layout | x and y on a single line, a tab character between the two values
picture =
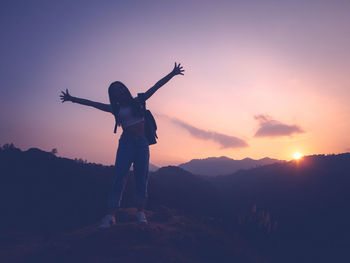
131	136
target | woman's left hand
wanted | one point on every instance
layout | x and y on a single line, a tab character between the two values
177	70
65	96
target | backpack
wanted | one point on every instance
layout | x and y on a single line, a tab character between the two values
150	123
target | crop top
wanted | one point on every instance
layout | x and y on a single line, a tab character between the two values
127	118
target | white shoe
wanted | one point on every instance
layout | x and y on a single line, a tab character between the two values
107	221
141	217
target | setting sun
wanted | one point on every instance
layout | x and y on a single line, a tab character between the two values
297	155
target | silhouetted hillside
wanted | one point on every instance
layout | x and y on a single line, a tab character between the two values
284	212
73	192
174	238
176	188
223	165
51	207
306	201
50	192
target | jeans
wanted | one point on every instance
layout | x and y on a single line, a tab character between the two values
131	149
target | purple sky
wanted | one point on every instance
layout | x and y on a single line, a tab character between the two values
286	62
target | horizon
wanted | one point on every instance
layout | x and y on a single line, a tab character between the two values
262	79
209	157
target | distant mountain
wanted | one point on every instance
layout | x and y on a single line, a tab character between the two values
153	167
223	165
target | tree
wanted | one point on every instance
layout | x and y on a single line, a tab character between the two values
8	146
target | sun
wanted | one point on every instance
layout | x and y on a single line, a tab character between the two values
297	155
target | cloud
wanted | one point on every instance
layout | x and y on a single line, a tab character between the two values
225	141
269	127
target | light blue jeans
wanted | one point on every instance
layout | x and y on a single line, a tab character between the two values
131	149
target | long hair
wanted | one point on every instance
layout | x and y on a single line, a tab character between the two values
115	102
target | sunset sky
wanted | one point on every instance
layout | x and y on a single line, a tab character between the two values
262	79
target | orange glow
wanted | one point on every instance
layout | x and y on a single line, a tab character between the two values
297	156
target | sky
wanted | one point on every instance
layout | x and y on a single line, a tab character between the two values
262	78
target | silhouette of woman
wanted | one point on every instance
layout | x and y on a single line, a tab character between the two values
133	145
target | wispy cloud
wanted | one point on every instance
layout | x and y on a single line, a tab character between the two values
226	141
269	127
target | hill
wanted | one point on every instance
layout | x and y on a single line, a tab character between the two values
283	212
170	238
51	207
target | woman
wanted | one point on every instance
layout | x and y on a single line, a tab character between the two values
133	145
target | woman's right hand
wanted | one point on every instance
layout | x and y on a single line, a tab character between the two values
177	70
65	96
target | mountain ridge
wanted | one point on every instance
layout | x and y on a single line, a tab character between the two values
213	166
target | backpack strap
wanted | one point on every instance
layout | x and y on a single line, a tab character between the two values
115	127
141	99
150	123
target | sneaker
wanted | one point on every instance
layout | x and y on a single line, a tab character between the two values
141	217
107	221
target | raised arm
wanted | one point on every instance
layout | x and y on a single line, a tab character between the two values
176	71
65	96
